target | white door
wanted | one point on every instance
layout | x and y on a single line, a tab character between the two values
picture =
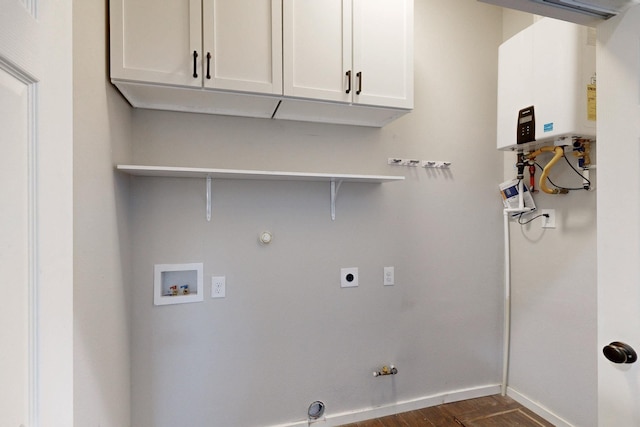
15	341
383	52
618	150
36	260
242	45
317	49
157	42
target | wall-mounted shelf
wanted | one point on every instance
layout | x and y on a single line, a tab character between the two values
335	180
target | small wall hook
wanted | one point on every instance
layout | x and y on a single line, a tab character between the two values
439	164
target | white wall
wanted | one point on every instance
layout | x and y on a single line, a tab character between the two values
286	334
618	212
102	137
285	324
553	359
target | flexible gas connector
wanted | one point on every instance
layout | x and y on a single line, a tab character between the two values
558	154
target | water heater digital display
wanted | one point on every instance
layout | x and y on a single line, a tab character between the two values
526	125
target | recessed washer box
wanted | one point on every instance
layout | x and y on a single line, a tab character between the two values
177	283
349	277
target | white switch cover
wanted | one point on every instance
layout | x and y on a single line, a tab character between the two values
349	277
218	286
389	279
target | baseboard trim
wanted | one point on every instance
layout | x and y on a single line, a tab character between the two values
398	407
537	408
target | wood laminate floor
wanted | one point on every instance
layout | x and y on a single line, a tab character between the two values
490	411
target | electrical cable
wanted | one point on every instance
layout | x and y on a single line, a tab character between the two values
560	187
576	171
546	215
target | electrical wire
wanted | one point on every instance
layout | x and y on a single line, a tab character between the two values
576	171
530	219
561	187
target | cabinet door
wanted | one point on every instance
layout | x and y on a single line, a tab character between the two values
155	41
317	49
383	52
243	45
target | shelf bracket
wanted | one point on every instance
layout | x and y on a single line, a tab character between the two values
208	198
334	194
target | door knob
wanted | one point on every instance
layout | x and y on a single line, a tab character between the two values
619	352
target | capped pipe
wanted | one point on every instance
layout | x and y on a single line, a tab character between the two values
386	370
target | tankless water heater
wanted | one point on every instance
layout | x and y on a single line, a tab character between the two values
546	86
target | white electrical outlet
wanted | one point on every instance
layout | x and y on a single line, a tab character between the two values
349	277
550	220
389	279
218	286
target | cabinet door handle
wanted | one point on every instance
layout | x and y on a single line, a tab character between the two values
348	81
208	65
359	76
195	64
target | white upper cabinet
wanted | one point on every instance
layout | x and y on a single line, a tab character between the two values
383	52
243	45
330	61
357	51
220	44
156	41
317	49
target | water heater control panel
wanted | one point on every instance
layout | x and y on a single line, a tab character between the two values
526	125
